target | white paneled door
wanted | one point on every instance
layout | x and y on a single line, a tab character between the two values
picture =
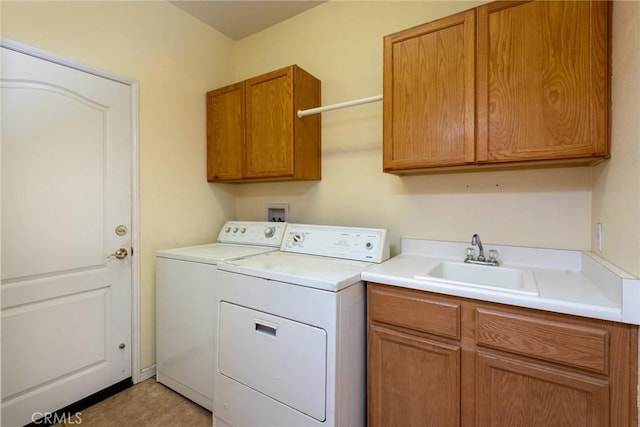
66	213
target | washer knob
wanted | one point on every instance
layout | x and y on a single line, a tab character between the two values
269	231
297	239
228	229
235	229
243	230
369	245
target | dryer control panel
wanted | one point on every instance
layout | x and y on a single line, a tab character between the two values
260	233
354	243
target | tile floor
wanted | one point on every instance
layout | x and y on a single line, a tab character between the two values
147	404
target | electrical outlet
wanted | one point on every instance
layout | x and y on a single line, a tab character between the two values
277	213
599	236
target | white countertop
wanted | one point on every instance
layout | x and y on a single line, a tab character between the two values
569	282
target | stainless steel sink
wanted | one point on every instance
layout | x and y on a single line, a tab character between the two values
481	276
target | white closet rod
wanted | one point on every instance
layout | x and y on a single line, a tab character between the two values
302	113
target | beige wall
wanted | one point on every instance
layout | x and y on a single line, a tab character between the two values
340	42
616	183
175	59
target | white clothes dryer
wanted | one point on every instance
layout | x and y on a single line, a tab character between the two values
186	313
291	330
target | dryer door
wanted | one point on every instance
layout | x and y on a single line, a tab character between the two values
281	358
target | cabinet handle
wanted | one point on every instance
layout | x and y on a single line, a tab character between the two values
266	329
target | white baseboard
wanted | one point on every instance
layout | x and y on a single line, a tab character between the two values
148	372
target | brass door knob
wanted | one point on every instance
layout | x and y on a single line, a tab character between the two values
121	253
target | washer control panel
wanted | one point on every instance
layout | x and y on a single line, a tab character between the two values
260	233
354	243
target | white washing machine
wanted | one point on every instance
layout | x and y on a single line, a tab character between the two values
291	330
186	313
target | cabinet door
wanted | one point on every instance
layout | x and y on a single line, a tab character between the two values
429	94
412	381
269	125
542	80
225	133
512	392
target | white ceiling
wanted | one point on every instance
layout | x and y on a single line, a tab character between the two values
241	18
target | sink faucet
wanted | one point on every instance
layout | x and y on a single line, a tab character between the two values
475	240
480	259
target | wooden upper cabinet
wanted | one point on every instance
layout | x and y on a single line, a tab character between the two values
270	125
543	80
254	133
225	133
429	94
508	84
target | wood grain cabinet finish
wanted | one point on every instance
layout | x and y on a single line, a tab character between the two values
412	379
407	310
572	344
527	86
225	133
429	90
414	358
506	366
543	73
254	133
514	392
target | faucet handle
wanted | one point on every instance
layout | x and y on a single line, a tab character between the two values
469	253
493	255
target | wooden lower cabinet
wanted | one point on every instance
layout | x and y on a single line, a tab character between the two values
412	379
514	392
437	360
